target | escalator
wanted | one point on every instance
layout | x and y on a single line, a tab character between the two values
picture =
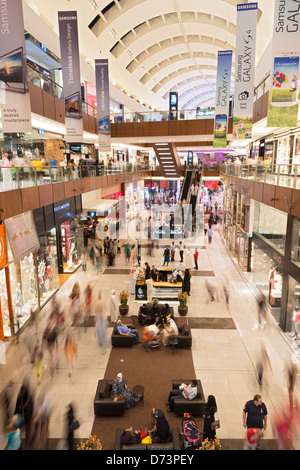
186	186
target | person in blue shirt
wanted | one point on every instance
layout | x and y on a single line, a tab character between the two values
255	414
125	330
13	433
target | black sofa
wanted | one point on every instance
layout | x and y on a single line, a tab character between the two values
173	445
182	405
121	341
184	337
149	306
103	404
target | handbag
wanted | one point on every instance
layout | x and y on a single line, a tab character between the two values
74	425
215	424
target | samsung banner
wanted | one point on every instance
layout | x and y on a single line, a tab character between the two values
103	109
222	98
14	95
244	70
69	49
284	95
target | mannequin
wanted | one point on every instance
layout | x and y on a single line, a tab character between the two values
6	171
19	300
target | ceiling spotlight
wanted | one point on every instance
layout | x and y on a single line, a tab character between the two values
93	4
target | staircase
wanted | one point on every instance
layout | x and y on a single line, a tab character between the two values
167	157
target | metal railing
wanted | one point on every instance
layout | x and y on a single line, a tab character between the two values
26	176
278	174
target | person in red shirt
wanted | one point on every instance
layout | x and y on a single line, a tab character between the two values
196	255
252	438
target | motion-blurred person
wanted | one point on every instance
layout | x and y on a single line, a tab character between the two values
186	284
101	330
70	352
212	291
38	434
24	406
72	425
13	433
113	307
227	290
87	304
283	429
263	363
252	439
261	309
38	360
292	373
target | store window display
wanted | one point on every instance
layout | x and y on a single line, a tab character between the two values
47	266
70	250
23	289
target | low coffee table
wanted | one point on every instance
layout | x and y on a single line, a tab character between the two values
172	342
139	391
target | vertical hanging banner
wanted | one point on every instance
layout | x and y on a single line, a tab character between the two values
15	99
284	94
69	49
103	109
244	70
222	98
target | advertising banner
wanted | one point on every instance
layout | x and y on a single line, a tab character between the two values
284	94
222	98
103	109
14	91
244	70
69	49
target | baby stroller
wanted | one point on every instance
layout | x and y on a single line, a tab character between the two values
190	433
151	341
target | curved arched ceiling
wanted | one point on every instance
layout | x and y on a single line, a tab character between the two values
156	46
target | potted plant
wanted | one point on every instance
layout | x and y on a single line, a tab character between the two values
124	307
92	443
213	444
183	308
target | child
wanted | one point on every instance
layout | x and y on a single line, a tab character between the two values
196	255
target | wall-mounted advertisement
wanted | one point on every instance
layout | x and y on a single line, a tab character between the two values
103	109
244	70
284	94
222	98
69	48
14	91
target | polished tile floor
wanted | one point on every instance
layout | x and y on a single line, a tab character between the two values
224	359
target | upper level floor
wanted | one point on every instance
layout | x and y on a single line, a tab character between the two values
275	185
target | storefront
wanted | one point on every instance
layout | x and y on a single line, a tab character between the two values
18	274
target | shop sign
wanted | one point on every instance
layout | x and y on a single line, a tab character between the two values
22	235
3	254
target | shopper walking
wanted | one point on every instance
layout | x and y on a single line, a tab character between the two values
70	352
196	256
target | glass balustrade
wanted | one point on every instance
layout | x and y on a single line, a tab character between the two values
22	177
282	175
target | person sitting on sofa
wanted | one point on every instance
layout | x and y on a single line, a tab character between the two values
160	434
186	391
131	437
125	330
163	316
120	390
154	311
144	316
169	329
